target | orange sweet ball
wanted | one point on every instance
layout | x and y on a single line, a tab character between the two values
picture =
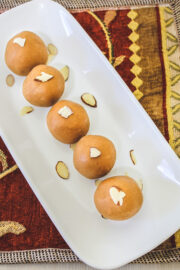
94	156
43	93
68	121
21	58
118	198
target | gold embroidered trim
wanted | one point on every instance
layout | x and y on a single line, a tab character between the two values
119	60
177	125
168	81
3	160
135	58
107	35
176	108
10	170
109	16
177	239
11	227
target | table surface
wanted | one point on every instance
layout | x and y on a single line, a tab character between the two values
81	266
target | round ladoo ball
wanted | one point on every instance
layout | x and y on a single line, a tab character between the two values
68	121
25	51
43	86
118	198
94	156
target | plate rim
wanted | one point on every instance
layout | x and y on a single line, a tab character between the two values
133	99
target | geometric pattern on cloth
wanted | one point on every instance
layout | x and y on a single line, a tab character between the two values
129	56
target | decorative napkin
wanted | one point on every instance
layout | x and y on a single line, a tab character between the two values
142	45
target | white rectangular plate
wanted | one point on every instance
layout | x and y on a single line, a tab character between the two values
98	242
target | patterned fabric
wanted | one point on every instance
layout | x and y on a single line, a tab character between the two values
104	4
142	45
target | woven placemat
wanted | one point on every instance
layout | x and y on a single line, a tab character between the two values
165	253
52	255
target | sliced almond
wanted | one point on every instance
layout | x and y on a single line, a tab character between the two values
94	152
117	195
50	57
44	77
52	49
97	182
25	110
62	170
65	72
131	152
20	41
89	100
65	112
140	184
73	145
10	80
